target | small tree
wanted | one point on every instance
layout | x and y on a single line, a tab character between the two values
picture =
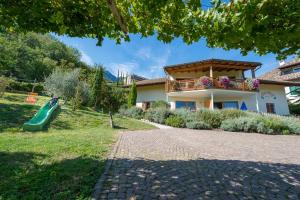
62	84
97	87
113	98
132	95
4	82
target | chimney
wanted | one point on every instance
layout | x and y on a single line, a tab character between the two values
281	62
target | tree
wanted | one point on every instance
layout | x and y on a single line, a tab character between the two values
33	56
269	26
63	84
132	95
113	98
97	87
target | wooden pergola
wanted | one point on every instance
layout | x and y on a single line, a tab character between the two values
213	65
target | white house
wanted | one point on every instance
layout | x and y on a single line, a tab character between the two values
215	84
287	72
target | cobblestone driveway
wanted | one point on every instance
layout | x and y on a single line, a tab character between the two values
188	164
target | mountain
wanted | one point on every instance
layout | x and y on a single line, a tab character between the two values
109	76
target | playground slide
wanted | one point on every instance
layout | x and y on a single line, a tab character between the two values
40	119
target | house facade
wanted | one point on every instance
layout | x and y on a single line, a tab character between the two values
287	72
215	84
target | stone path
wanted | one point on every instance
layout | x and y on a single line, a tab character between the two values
189	164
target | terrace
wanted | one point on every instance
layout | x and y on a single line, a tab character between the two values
211	74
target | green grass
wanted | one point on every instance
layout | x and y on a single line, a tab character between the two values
62	162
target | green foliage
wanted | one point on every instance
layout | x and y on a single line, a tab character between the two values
232	113
294	108
97	87
185	114
159	104
3	84
25	87
275	125
132	112
211	117
175	121
158	115
197	125
113	97
132	95
293	125
62	84
262	124
260	26
244	124
32	57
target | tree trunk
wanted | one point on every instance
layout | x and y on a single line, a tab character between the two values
111	122
95	105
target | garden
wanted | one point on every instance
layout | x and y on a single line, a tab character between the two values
227	119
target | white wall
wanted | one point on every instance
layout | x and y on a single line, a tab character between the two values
267	94
273	94
150	93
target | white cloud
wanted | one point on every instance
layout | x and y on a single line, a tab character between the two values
86	58
125	68
159	62
144	53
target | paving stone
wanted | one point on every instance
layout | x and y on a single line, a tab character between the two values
188	164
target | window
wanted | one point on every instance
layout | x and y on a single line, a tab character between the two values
270	107
226	105
297	70
295	90
186	104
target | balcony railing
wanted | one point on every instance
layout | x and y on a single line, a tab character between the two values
209	83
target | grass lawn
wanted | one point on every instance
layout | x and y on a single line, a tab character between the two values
62	162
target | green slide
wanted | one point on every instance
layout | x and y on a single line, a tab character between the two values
41	118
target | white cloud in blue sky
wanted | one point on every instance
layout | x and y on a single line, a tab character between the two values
86	58
147	56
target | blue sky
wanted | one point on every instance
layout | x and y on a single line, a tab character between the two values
147	56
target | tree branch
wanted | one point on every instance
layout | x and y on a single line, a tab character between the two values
120	19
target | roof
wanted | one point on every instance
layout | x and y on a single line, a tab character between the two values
156	81
285	83
215	63
290	64
276	74
160	81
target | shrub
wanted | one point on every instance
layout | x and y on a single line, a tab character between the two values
159	104
158	115
185	114
292	124
245	124
232	113
213	118
25	87
132	112
175	121
197	125
274	125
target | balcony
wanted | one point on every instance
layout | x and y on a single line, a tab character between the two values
204	83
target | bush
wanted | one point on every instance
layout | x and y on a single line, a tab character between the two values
274	125
292	124
185	114
132	112
175	121
159	104
213	118
197	125
260	124
158	115
25	87
294	108
232	113
244	124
